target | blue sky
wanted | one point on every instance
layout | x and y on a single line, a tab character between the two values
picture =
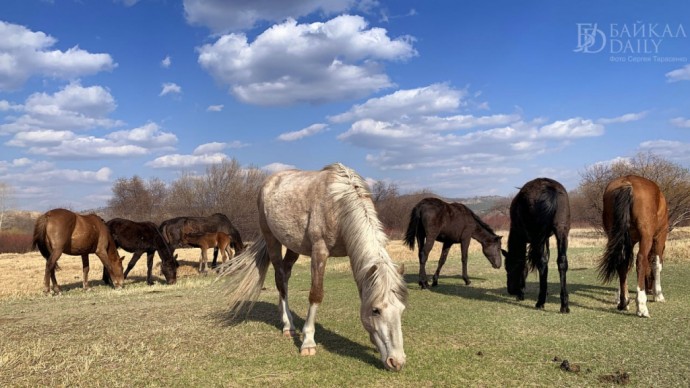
461	97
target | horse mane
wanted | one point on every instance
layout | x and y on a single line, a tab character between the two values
374	271
478	219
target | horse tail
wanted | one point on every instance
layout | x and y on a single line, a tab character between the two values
40	240
618	250
245	275
413	228
545	208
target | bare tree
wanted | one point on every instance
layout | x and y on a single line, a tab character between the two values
673	180
6	200
135	199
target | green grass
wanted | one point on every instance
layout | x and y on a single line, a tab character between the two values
455	335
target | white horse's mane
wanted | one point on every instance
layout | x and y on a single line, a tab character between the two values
375	273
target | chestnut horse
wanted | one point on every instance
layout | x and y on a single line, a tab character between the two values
140	237
204	241
61	231
634	211
321	214
433	219
539	210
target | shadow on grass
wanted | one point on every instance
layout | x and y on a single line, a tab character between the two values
329	340
500	295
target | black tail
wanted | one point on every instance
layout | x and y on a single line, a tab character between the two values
39	240
412	228
545	210
619	247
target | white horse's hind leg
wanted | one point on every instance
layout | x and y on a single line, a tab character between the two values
309	344
642	310
286	317
656	267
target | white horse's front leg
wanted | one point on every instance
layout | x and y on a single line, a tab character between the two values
656	267
642	310
286	318
309	345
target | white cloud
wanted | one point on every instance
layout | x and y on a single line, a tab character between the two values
681	74
428	100
275	167
170	87
149	136
166	62
209	148
73	108
25	53
223	16
127	3
626	118
670	149
681	122
305	63
6	106
571	128
214	108
302	133
52	175
184	161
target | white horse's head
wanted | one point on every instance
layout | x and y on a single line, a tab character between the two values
383	302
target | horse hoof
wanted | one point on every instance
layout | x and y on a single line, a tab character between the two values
539	306
643	314
565	309
622	306
434	283
308	352
288	333
660	298
520	297
424	285
468	282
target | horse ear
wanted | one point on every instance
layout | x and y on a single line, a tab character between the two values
122	258
505	253
401	270
372	271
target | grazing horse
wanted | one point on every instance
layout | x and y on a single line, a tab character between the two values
139	237
540	209
450	223
61	231
321	214
204	241
634	211
174	229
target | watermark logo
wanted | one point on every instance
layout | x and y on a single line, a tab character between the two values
590	39
636	42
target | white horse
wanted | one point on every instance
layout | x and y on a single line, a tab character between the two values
321	214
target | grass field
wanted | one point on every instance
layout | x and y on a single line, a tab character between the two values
475	335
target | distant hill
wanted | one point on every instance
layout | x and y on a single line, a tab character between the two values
479	205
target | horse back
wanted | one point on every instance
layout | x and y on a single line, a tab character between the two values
540	207
648	211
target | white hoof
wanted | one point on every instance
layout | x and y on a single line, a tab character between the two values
660	298
643	313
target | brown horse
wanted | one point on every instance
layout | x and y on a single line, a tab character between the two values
61	231
204	241
634	211
433	219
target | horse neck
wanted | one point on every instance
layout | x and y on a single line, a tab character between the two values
482	234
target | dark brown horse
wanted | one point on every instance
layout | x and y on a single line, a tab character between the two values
61	231
204	241
140	237
634	211
539	210
433	219
174	229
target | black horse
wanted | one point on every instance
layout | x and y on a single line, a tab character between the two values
433	219
174	230
540	210
139	237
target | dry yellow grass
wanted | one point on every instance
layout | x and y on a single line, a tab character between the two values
22	274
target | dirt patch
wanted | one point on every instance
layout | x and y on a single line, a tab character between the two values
619	377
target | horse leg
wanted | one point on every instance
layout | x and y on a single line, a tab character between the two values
203	260
562	261
51	263
441	262
215	257
132	262
283	270
318	266
85	269
149	268
464	247
543	268
622	294
423	256
657	256
642	266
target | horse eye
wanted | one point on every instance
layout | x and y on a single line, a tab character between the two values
376	312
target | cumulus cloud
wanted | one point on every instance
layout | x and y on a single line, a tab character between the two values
46	173
572	128
149	136
669	149
214	108
176	161
127	3
626	118
25	53
170	87
305	63
680	122
75	107
224	16
681	74
166	62
302	133
275	167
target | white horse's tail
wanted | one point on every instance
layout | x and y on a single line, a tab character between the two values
245	276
